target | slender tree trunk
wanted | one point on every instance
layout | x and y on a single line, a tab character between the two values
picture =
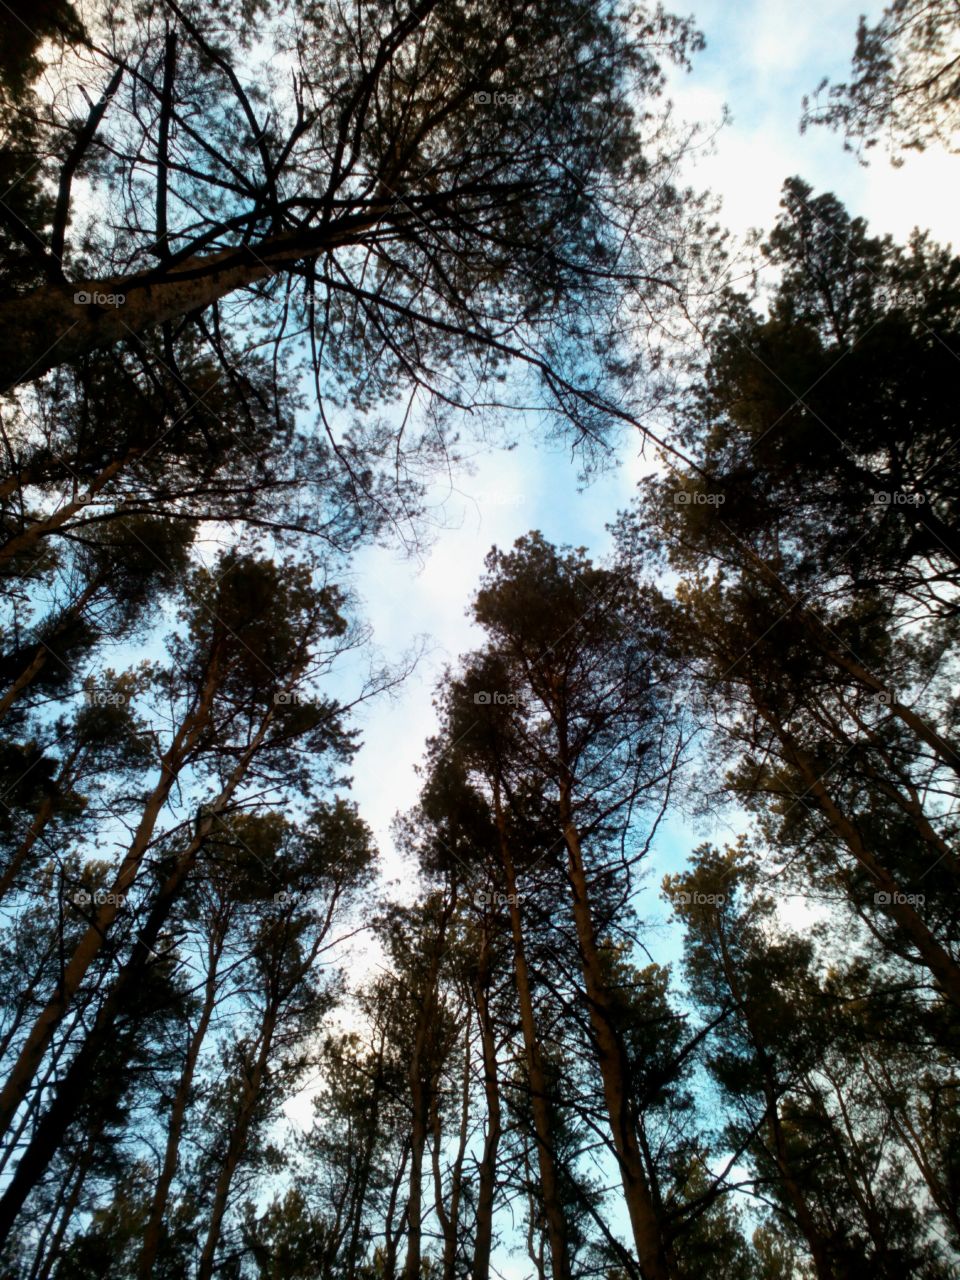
22	852
25	678
418	1138
52	1254
56	1215
91	942
277	992
487	1170
39	659
539	1093
154	1229
28	538
614	1066
892	783
827	644
391	1237
450	1222
420	1077
940	964
50	1075
914	1143
51	1129
237	1143
817	1241
38	825
356	1214
535	1236
858	1177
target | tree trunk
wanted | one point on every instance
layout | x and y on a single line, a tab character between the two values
614	1066
90	944
391	1238
158	1207
937	960
355	1221
37	826
46	327
487	1170
39	659
28	538
421	1096
826	643
50	1130
539	1094
450	1222
237	1143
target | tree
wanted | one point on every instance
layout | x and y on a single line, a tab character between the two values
780	1056
285	992
905	87
249	628
821	633
433	192
582	645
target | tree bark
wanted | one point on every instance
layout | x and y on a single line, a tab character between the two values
237	1142
614	1066
539	1094
171	1158
46	327
487	1170
940	964
21	1076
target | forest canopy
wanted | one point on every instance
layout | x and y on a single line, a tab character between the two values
269	270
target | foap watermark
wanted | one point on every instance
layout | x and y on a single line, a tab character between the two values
494	898
99	898
884	899
104	698
498	98
684	899
694	498
884	698
897	498
286	897
292	698
888	298
92	298
494	698
498	498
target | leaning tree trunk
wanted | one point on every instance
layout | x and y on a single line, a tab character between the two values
49	327
51	1129
536	1075
614	1066
237	1144
487	1168
939	962
171	1157
90	944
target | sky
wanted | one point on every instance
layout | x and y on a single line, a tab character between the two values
761	57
